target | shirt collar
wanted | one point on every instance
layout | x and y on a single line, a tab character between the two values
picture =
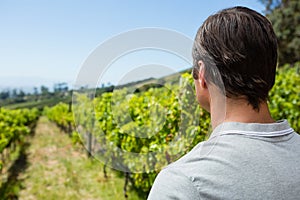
278	128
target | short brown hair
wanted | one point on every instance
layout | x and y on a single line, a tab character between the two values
241	43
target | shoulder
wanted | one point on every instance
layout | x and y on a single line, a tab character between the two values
183	178
171	183
174	181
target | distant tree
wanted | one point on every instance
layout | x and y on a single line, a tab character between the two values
44	90
60	87
4	94
285	17
21	94
35	91
14	93
270	5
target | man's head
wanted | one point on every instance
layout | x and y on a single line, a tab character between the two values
240	46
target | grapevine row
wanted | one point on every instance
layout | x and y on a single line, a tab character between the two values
15	125
158	125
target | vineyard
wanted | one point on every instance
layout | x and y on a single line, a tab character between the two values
140	132
97	98
131	132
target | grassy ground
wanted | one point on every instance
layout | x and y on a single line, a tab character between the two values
55	169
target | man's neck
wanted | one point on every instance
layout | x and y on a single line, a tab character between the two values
240	111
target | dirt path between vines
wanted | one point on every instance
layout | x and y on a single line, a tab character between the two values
58	170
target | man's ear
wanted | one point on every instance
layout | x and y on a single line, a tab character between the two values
201	71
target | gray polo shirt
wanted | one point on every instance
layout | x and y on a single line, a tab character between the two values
238	161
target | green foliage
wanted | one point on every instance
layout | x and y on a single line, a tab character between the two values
285	17
15	125
161	123
166	121
285	96
61	114
75	138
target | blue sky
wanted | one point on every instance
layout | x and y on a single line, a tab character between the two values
43	42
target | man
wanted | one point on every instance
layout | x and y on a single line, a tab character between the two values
248	155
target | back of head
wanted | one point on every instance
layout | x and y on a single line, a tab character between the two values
242	46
